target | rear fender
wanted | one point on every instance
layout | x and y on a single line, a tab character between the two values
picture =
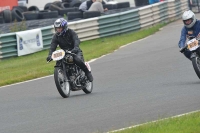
88	66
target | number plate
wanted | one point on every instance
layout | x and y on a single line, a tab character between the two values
192	44
58	55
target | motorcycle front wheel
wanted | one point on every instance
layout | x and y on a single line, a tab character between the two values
88	88
62	83
196	65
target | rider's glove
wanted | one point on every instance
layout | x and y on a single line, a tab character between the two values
74	50
49	58
182	50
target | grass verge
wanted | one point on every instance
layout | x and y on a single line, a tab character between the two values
23	68
189	123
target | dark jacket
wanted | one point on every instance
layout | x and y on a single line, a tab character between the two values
194	31
89	3
68	41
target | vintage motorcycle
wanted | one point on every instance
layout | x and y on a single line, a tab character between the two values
68	76
194	46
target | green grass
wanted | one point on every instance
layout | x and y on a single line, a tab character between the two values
18	69
185	124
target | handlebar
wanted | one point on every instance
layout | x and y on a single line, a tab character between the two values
66	52
183	49
49	60
69	52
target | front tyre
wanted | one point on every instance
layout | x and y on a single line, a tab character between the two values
88	87
62	84
196	65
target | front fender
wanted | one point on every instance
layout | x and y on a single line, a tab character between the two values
58	64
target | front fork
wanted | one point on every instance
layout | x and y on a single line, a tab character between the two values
62	65
195	53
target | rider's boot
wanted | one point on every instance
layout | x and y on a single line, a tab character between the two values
88	74
82	65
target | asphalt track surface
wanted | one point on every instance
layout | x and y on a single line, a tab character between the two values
141	82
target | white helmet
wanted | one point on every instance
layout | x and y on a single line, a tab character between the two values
189	15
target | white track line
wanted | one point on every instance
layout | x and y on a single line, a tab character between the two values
153	121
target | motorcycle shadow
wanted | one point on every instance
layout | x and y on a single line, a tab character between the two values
78	95
190	83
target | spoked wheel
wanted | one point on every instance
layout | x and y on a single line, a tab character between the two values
196	65
89	87
62	84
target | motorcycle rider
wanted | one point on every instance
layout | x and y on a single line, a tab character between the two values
67	39
191	28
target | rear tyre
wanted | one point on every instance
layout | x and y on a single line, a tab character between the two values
196	65
17	14
62	84
31	15
89	87
7	15
33	8
47	6
44	14
91	14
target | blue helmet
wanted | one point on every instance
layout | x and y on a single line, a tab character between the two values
61	22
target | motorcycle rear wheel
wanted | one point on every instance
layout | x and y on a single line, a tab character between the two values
89	87
196	65
62	84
